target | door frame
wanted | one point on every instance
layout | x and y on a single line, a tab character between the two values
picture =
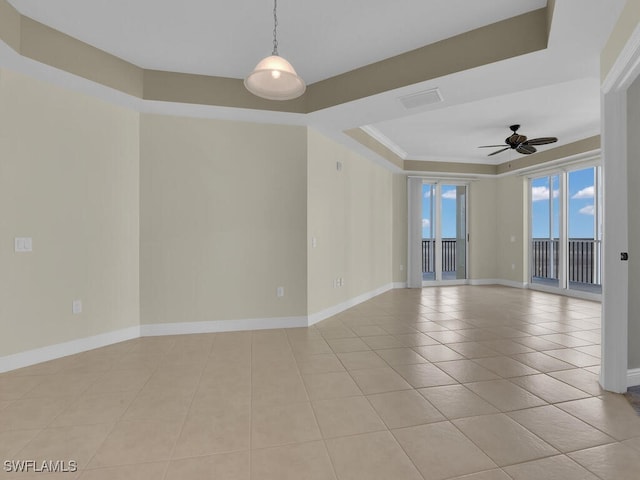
563	171
412	210
614	373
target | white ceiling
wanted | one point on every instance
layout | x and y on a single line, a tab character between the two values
569	111
228	38
554	92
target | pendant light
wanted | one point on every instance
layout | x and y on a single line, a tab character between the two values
274	78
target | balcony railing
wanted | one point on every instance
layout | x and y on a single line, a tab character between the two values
448	255
584	259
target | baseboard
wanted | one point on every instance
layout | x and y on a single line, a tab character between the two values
31	357
352	302
52	352
633	377
566	292
59	350
497	281
158	329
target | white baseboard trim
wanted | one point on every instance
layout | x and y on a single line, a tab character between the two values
158	329
31	357
566	292
443	283
352	302
633	377
52	352
59	350
497	281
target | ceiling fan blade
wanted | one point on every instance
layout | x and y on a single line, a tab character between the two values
499	151
526	149
541	141
491	146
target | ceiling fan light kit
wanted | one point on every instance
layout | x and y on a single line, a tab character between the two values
274	78
519	143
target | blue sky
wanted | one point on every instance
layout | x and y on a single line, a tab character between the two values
448	203
581	205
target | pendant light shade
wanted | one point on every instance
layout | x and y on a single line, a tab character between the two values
274	78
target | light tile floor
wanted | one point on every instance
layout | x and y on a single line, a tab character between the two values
478	383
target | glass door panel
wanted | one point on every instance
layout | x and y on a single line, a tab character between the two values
444	232
453	228
584	230
545	230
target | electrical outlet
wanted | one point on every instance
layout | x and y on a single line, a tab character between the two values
280	292
76	307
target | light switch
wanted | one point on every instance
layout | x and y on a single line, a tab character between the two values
23	244
76	306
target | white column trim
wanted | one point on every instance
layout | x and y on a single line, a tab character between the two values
563	243
614	240
437	226
633	377
615	308
414	248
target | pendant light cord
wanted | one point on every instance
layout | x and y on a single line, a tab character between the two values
275	27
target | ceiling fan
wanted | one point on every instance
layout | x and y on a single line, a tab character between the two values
519	143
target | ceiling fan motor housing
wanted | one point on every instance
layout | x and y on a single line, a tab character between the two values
515	140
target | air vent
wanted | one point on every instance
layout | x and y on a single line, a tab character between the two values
420	99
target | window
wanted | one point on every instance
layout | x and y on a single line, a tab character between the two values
566	230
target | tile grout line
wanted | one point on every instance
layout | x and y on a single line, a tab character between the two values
313	410
184	421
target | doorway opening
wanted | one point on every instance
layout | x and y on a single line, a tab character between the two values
444	239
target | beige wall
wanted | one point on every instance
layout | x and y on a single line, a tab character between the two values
512	211
483	223
223	220
69	178
350	216
633	176
399	228
497	210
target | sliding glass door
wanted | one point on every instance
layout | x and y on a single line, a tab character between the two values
566	233
444	232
